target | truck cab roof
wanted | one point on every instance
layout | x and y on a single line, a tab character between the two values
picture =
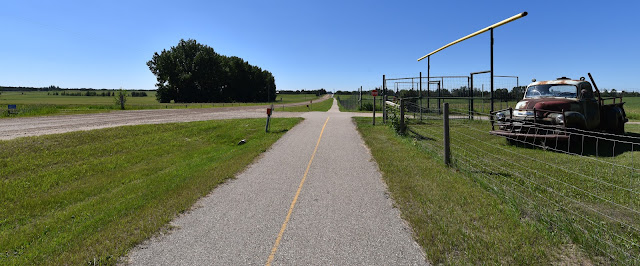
559	81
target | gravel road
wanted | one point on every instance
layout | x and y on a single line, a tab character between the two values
11	128
342	214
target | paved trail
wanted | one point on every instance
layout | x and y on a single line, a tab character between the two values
315	198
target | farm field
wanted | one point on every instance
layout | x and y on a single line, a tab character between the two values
313	107
39	103
575	209
87	197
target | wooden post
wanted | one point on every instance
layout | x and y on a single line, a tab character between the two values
447	149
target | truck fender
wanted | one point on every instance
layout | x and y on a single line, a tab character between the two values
613	120
574	119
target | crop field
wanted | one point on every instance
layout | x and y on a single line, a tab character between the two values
632	108
40	103
88	197
587	206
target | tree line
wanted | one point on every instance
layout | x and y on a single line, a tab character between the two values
95	93
193	72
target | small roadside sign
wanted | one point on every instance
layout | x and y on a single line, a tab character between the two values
374	93
11	106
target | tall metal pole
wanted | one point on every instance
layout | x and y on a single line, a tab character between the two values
384	96
492	70
472	95
428	79
420	87
360	97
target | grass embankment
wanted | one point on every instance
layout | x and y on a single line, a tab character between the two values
455	218
39	103
89	196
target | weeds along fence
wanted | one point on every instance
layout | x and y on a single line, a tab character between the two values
586	188
470	93
356	102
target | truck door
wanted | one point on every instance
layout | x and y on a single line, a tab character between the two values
590	105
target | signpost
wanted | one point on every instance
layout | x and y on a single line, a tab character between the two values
374	93
12	109
269	111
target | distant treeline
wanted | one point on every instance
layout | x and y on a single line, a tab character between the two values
50	88
193	72
316	92
95	93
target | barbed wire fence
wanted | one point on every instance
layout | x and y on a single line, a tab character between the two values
586	188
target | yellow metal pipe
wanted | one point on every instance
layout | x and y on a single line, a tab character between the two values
476	33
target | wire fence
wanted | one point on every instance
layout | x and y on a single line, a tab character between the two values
356	102
586	187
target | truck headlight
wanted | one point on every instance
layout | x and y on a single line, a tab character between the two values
500	116
560	119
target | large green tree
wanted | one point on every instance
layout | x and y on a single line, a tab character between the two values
192	72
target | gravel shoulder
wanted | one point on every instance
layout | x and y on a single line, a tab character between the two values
11	128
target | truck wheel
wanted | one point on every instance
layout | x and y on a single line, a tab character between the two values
620	127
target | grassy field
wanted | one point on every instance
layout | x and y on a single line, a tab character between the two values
632	108
39	103
312	107
87	197
454	219
577	209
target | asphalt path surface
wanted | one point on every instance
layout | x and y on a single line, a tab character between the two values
316	197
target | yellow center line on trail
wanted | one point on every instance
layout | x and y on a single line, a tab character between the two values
295	199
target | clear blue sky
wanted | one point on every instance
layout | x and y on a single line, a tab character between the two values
336	45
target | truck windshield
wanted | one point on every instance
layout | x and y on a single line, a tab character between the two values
552	90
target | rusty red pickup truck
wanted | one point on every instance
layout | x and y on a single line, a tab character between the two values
552	109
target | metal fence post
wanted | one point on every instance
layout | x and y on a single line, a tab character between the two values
447	143
384	108
420	95
374	110
384	96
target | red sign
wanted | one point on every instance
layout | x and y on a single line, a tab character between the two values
269	111
374	93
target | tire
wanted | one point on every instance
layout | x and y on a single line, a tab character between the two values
620	127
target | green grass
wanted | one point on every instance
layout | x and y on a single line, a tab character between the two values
313	107
632	108
350	103
88	196
455	218
39	103
593	200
